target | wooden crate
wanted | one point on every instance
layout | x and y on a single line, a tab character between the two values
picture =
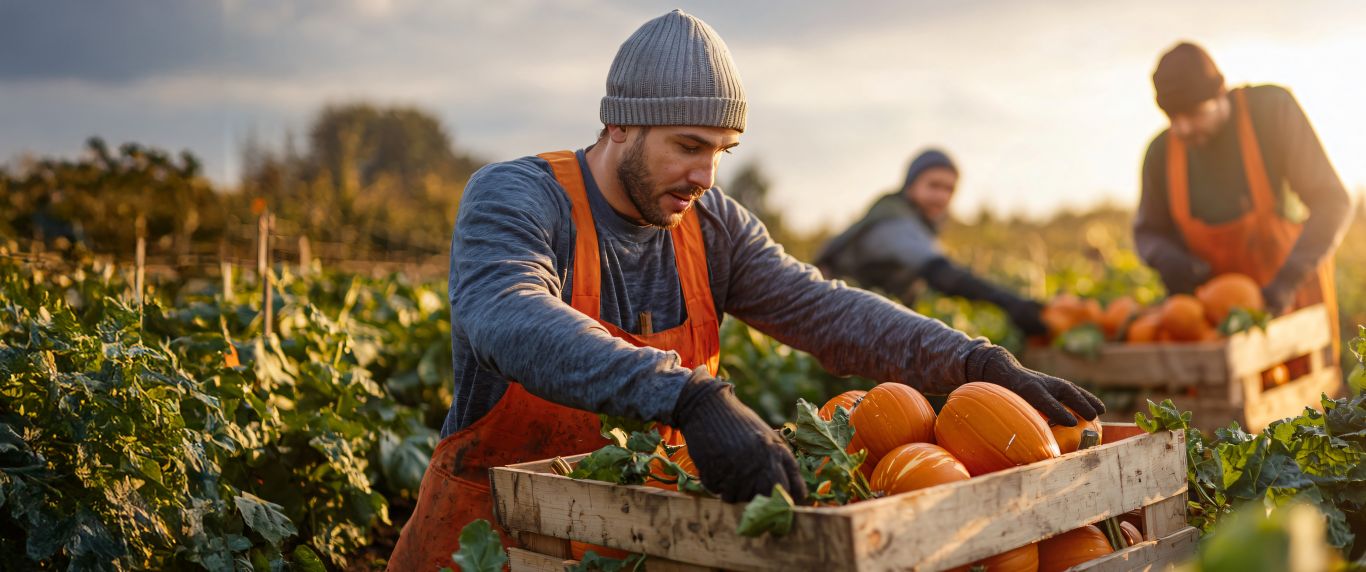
1218	381
930	529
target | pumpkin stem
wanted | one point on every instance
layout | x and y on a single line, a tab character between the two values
560	467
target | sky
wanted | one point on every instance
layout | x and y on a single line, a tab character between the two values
1045	105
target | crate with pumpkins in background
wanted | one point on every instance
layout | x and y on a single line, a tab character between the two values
893	485
1215	353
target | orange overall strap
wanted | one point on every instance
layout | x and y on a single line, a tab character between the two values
587	273
690	255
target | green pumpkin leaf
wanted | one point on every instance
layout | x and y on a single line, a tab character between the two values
767	513
481	550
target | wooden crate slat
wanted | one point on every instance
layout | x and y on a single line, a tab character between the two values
659	523
1163	365
1165	517
520	560
1289	400
1143	365
1293	335
1042	499
940	527
1150	555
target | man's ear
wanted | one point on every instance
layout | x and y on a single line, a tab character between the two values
616	133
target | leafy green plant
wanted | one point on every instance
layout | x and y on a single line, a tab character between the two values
126	441
480	549
1318	457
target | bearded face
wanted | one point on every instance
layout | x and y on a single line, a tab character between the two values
662	207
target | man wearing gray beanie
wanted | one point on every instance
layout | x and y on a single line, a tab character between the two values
593	282
895	246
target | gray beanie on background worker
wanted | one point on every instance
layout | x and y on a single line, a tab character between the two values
675	70
926	160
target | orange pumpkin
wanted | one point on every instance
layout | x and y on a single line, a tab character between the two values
1221	294
1275	377
1183	318
916	466
890	415
1133	518
847	400
990	428
1144	329
1066	311
1069	438
680	458
1022	559
1072	548
1131	534
1116	315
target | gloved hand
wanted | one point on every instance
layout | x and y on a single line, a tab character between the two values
1026	314
993	364
1278	298
736	453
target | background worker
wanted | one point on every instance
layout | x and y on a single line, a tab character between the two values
895	246
1238	183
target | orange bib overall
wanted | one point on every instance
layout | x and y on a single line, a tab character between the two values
1257	243
522	427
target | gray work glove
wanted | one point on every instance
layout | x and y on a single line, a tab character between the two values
736	453
993	364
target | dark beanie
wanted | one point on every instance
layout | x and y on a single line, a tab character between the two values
1186	76
926	160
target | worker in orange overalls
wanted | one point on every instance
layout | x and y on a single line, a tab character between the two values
594	281
1238	183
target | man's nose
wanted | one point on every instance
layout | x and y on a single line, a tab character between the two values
703	176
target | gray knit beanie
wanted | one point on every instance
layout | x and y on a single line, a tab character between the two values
926	160
675	70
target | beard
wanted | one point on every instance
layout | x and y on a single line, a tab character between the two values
639	184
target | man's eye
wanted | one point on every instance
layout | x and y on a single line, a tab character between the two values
689	149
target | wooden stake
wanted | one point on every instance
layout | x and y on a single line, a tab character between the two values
263	270
225	269
305	256
647	326
140	226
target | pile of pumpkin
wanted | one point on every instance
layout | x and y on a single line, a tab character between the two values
982	428
1179	318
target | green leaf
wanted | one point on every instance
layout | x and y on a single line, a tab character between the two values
306	560
1164	417
625	424
1086	341
265	518
646	442
605	464
1241	320
816	436
767	513
481	550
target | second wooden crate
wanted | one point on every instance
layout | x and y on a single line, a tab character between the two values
1219	381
